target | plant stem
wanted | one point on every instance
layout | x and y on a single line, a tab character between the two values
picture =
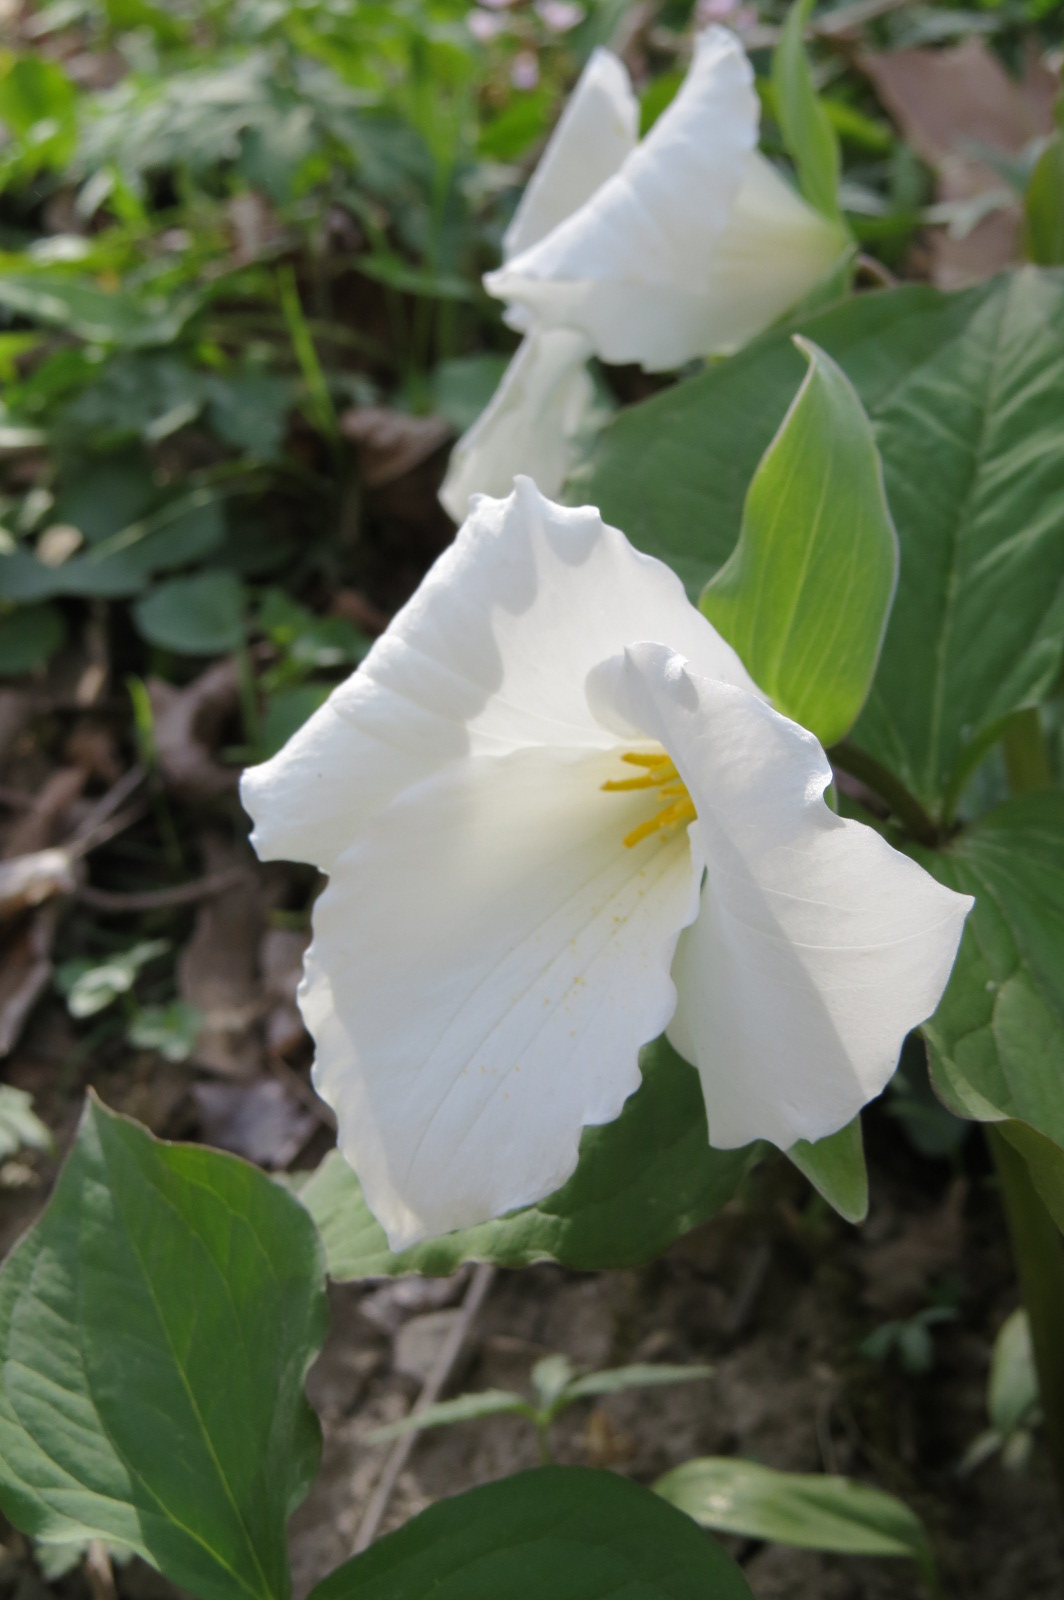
1026	759
904	805
543	1423
1038	1254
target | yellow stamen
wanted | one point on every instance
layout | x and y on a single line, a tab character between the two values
662	775
648	781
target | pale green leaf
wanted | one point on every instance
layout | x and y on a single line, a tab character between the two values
809	1510
805	596
641	1375
20	1126
811	141
835	1166
1012	1392
464	1408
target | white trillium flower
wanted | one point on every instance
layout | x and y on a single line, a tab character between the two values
685	245
558	818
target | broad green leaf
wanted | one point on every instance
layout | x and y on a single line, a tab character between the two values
20	1126
805	595
566	1532
996	1041
464	1408
1044	206
156	1326
1045	1163
641	1182
810	139
809	1510
965	394
835	1166
28	637
100	315
198	616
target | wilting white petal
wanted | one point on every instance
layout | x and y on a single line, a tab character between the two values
817	947
543	405
774	251
487	960
490	655
597	130
630	268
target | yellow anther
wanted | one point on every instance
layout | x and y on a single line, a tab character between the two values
648	781
662	775
642	758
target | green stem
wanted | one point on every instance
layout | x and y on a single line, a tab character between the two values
1026	758
908	810
543	1423
1039	1258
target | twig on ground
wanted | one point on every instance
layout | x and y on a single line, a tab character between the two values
480	1283
181	894
98	1571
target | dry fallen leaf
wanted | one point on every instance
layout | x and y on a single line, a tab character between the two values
217	972
281	963
25	969
260	1121
953	105
392	443
189	727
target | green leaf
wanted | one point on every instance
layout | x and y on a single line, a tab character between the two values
91	986
997	1039
641	1375
20	1126
1045	1164
810	139
641	1182
156	1326
464	1408
1044	206
33	90
805	595
169	1030
965	394
1012	1392
28	638
808	1510
101	315
567	1532
835	1166
198	616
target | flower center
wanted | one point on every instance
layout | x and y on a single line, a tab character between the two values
677	808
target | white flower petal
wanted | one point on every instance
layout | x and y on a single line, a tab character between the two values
817	947
597	130
545	401
773	252
490	654
631	267
487	961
